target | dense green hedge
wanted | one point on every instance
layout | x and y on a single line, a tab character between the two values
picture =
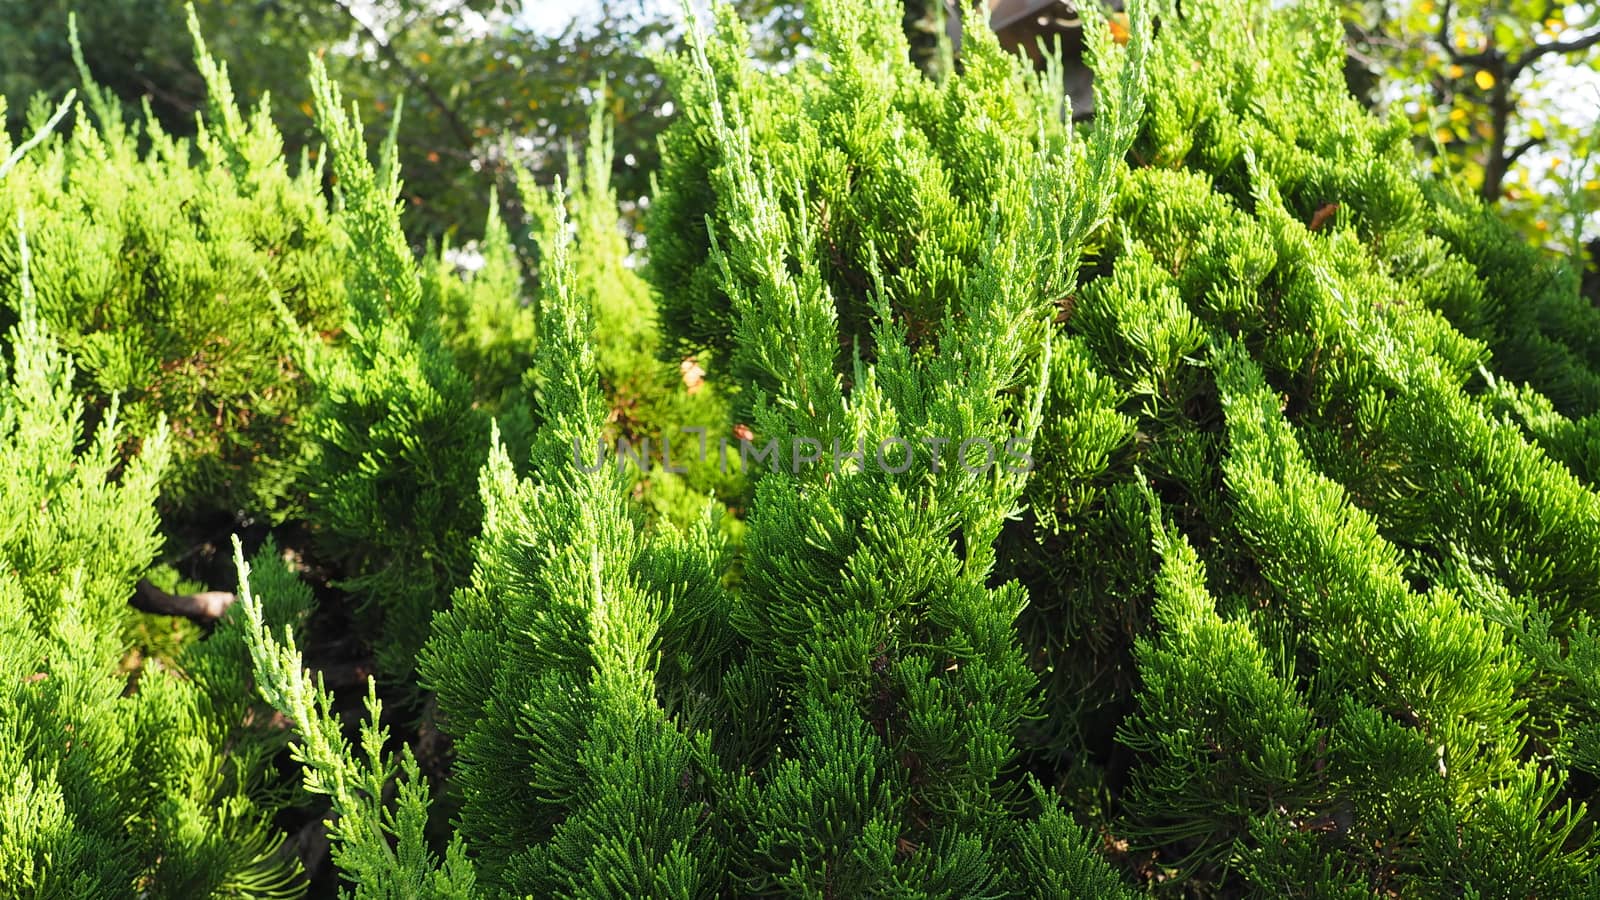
111	786
167	269
1295	595
1311	616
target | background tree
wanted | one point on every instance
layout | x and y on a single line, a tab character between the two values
483	90
926	26
1502	91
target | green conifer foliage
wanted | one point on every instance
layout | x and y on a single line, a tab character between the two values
1303	598
878	679
484	318
1365	594
864	677
167	274
1541	330
115	784
403	426
398	439
842	724
575	781
653	401
1215	715
898	175
383	850
1302	332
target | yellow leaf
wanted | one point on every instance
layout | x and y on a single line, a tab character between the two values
1457	114
1444	135
1593	185
305	107
1455	71
1483	80
425	56
1119	27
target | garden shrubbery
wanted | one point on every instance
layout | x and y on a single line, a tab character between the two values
1293	594
167	269
112	784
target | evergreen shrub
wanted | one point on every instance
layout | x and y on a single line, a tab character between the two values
484	317
123	777
1346	685
845	723
432	357
397	439
167	268
1298	595
654	400
1310	543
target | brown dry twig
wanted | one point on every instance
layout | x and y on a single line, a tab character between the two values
204	608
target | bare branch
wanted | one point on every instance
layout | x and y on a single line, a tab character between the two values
1515	153
204	608
1576	45
415	78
